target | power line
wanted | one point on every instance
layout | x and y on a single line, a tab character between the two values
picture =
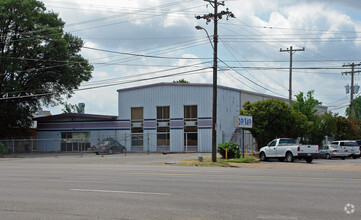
107	85
142	55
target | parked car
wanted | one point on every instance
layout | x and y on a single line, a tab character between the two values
108	146
333	151
359	144
352	147
287	149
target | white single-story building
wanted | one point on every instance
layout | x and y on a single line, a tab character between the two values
171	117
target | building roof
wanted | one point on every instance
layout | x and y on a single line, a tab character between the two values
200	85
175	84
210	85
75	117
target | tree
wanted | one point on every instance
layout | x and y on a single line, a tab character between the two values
70	108
272	119
181	81
356	111
347	128
321	126
306	105
39	63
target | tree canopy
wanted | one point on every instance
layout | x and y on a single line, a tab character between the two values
70	108
180	81
274	118
306	105
39	62
356	108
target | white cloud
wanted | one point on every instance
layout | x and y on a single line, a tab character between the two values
256	34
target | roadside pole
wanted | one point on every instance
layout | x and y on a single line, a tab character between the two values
242	143
242	121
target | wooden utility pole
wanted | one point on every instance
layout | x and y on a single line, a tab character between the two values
291	51
352	72
215	18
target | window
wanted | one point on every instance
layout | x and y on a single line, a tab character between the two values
137	126
75	141
163	113
273	143
190	126
190	112
163	119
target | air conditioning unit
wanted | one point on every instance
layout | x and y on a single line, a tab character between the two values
163	124
137	125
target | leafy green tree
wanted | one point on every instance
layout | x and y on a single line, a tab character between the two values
272	119
306	105
181	81
321	126
39	62
70	108
347	128
356	110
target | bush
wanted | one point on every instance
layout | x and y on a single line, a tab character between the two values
232	150
3	149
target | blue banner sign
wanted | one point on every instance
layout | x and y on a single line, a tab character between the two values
245	121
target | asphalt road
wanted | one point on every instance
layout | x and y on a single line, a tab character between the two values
111	187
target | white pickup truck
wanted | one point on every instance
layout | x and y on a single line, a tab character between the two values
287	148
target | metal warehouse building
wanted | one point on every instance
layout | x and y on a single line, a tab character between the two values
170	117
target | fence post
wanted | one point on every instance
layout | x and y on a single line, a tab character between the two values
148	142
32	146
186	142
13	146
243	142
125	140
81	148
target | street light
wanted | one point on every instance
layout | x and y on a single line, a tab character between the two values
209	38
214	88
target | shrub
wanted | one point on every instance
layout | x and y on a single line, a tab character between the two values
232	150
3	149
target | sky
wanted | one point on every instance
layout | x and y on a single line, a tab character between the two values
137	42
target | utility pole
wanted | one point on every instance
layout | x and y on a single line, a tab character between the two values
291	51
215	18
352	65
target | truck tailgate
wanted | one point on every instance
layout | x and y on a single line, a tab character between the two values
308	149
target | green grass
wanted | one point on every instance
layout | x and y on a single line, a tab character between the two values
207	162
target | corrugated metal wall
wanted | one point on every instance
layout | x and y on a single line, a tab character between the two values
176	96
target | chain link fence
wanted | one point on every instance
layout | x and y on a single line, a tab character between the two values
138	142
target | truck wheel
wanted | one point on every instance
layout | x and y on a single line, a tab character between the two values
281	159
262	156
289	157
354	157
328	156
309	159
343	158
